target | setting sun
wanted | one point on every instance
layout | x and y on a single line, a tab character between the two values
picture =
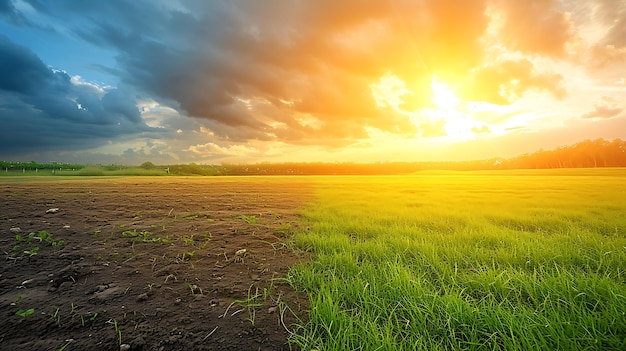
443	97
369	81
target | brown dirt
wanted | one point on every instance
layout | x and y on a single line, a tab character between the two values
175	295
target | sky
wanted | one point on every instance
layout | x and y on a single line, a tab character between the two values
210	82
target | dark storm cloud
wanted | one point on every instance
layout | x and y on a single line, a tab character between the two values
320	56
293	71
42	108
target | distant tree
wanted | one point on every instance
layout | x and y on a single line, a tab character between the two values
147	165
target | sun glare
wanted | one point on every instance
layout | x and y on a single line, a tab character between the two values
443	97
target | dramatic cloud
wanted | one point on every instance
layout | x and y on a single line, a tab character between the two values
607	108
507	81
45	108
197	80
536	27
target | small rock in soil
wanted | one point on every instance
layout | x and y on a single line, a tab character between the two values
52	210
15	230
124	347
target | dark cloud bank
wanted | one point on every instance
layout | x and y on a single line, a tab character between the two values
41	109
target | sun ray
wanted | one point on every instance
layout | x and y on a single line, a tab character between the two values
443	97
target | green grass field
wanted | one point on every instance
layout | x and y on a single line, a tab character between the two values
513	260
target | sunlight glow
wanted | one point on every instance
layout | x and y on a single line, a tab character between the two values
444	98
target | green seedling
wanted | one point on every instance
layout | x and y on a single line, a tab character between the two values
195	289
256	298
32	252
144	237
16	250
41	237
64	346
25	313
186	256
57	317
284	230
248	219
18	298
189	241
118	331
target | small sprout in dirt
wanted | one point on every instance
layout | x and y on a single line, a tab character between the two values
195	289
143	237
206	235
149	287
239	255
43	236
248	219
72	308
32	252
189	240
57	317
122	225
210	220
66	345
96	233
284	230
191	216
18	298
93	318
16	250
256	299
68	342
25	313
186	256
170	276
118	331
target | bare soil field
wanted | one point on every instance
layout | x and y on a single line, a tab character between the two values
149	264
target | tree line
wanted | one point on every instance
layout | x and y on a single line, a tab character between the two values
585	154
